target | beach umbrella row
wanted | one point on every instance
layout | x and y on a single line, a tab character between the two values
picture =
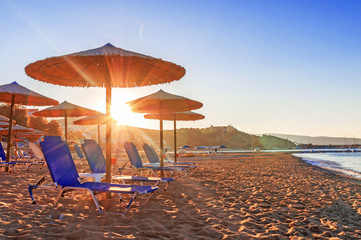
14	93
107	67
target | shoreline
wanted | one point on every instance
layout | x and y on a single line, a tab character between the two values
274	196
347	173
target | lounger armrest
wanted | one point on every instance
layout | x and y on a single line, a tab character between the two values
97	176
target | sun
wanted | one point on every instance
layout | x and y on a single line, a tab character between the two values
122	113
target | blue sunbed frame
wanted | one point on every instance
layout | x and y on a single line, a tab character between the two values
154	159
136	161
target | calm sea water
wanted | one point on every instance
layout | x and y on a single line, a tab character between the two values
348	163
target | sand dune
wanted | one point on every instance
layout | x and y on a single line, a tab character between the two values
226	197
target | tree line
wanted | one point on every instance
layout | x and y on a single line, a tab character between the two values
21	117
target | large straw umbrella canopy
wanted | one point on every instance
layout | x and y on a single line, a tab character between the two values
176	116
163	102
107	67
98	119
14	93
65	110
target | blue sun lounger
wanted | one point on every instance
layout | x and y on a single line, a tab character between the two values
154	159
137	163
3	162
94	156
66	179
78	151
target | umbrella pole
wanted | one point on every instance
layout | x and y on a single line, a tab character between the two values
99	134
66	125
108	140
16	146
10	130
175	139
161	144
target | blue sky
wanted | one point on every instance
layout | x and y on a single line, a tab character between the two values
262	66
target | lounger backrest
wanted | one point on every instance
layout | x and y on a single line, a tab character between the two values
133	154
94	155
2	153
151	154
78	151
59	160
36	150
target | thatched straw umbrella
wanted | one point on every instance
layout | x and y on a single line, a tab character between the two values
14	93
65	110
176	116
163	102
107	67
98	119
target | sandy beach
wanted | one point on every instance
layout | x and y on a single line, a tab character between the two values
269	196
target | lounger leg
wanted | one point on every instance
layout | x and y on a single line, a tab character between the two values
95	200
60	194
28	165
31	187
121	199
166	187
130	203
85	189
147	200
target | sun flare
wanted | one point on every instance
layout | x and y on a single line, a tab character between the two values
122	113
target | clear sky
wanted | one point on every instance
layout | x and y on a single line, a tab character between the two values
266	66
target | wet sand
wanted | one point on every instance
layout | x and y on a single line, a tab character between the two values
227	197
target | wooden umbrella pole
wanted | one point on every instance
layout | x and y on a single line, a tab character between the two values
10	130
161	142
16	145
108	142
66	125
175	138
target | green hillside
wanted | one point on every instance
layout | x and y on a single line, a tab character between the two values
271	142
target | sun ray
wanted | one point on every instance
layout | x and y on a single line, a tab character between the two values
122	113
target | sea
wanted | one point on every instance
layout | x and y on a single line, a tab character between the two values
348	163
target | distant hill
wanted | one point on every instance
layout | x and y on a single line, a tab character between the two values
299	139
212	136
